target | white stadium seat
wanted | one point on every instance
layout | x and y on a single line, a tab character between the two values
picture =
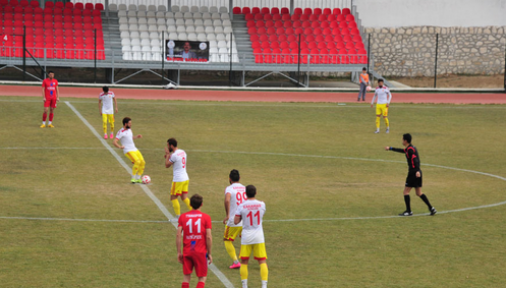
171	21
209	29
132	13
126	48
213	44
142	7
173	36
142	21
171	28
157	53
155	42
211	36
178	15
227	23
127	55
162	28
122	7
225	17
141	14
175	8
215	16
122	13
188	22
136	53
113	7
133	27
125	42
151	14
179	22
145	42
146	53
135	42
215	23
152	8
204	9
213	9
143	28
160	21
152	21
202	37
198	22
160	15
181	29
194	9
223	9
144	35
224	57
206	15
220	37
153	35
182	36
227	30
197	15
218	29
187	15
123	27
185	9
213	55
208	22
132	7
169	15
222	44
123	20
190	29
162	8
132	20
199	29
134	35
125	34
192	37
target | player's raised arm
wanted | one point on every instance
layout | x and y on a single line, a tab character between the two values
400	150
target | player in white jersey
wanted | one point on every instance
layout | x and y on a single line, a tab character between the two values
251	212
384	98
106	103
126	137
235	194
177	158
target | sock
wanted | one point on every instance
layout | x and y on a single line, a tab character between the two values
44	117
408	204
51	117
244	283
244	274
177	208
187	202
377	122
229	246
387	122
185	285
264	284
426	200
104	126
137	177
264	272
201	285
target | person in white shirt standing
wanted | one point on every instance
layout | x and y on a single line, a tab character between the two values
177	157
126	137
251	212
384	98
106	107
235	194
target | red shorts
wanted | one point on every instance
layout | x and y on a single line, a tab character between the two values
50	102
197	260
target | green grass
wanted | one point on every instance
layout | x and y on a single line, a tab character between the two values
79	179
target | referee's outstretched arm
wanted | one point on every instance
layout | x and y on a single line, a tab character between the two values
400	150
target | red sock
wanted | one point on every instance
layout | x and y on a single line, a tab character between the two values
185	285
44	117
201	285
50	116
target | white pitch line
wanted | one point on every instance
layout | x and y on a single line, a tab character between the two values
80	220
146	190
265	104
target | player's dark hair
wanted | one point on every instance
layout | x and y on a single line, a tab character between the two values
126	120
196	201
105	89
407	137
49	72
234	175
251	191
172	141
380	80
364	69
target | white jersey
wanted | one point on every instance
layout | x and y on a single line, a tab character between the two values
237	193
178	159
107	102
252	213
127	140
384	95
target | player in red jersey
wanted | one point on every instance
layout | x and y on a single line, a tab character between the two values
51	95
195	229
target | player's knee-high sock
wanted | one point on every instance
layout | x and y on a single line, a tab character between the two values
408	202
426	200
264	272
51	118
177	208
387	122
104	126
44	117
377	122
229	246
187	202
201	285
244	275
185	285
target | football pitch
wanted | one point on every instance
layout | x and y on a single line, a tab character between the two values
331	191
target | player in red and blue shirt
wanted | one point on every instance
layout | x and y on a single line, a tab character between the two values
194	228
414	179
51	95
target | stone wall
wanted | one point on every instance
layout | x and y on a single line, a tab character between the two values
411	51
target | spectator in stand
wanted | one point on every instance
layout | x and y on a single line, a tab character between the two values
364	82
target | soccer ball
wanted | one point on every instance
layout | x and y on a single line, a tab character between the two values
146	179
368	88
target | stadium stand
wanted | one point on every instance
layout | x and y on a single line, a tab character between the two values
59	31
322	36
143	30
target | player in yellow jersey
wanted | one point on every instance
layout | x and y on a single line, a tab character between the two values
235	194
106	107
384	98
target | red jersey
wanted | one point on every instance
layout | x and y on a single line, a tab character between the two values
194	225
50	87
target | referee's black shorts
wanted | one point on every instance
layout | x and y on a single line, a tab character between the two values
413	181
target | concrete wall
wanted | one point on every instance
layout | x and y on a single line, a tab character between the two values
444	13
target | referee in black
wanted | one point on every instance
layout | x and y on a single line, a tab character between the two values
414	179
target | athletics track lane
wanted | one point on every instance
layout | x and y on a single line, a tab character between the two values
259	96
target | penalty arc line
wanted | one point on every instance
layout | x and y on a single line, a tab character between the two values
146	190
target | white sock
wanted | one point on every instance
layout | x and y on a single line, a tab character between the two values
43	122
50	122
236	261
264	284
138	177
244	283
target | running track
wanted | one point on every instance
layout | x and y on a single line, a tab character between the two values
259	96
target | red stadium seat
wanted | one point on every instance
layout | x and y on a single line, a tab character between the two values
275	45
252	30
294	45
271	30
345	32
325	24
287	24
285	56
282	38
297	24
77	12
343	25
306	24
315	24
310	38
14	3
8	9
255	45
284	45
87	19
317	11
249	17
49	4
308	31
48	18
295	17
264	38
276	17
292	38
317	31
278	24
99	6
299	31
87	12
273	38
285	10
346	11
89	6
319	38
28	10
246	10
261	30
295	56
354	31
79	6
297	11
59	5
259	24
267	17
255	10
96	13
18	10
69	5
236	10
265	10
67	11
258	17
308	11
350	18
280	31
327	31
286	17
275	10
268	23
289	31
313	17
34	3
327	11
18	17
312	45
336	11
